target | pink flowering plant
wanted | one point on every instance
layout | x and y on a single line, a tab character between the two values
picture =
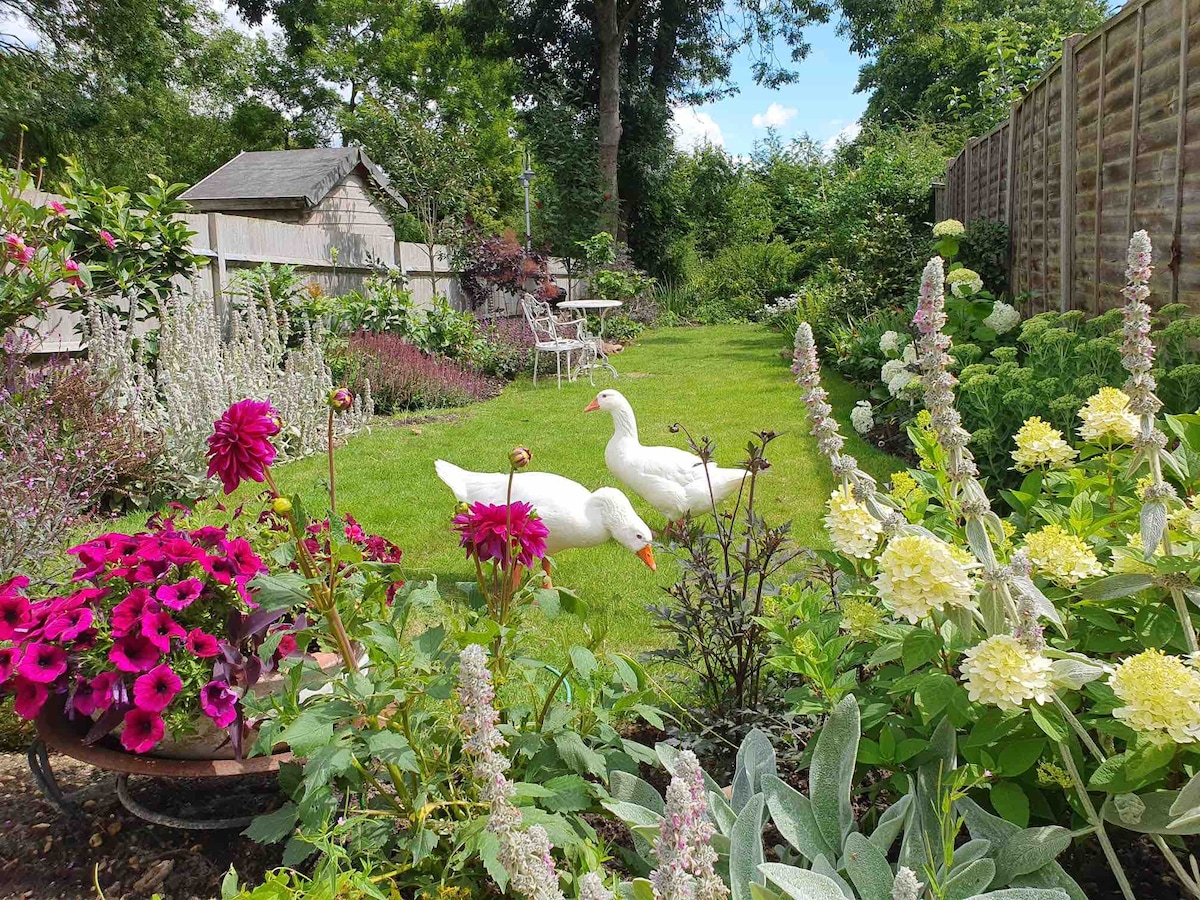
37	252
156	634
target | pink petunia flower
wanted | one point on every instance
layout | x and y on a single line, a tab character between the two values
104	687
181	595
28	697
156	689
202	644
16	614
93	559
219	702
134	653
42	663
159	628
83	698
489	531
181	551
240	447
143	729
208	536
287	646
9	657
245	561
127	614
108	239
69	625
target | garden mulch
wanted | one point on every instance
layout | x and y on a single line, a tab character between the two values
45	855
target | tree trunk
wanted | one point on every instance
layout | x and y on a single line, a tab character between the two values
610	33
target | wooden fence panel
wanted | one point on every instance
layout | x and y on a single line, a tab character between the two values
1105	143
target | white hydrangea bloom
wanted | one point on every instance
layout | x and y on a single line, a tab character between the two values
852	529
861	417
1001	671
896	374
919	573
1003	318
889	342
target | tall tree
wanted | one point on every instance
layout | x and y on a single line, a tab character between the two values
631	60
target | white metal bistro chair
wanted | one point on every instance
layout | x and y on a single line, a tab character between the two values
559	338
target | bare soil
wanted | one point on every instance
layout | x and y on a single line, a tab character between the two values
45	855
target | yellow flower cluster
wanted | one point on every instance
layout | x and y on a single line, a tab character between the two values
1161	694
949	228
1052	775
1107	419
918	574
860	617
1062	557
1003	672
852	528
1187	518
903	484
1038	444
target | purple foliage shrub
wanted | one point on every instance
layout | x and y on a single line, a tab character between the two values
504	348
402	377
64	453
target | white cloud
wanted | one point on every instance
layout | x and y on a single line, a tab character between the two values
695	129
776	116
846	135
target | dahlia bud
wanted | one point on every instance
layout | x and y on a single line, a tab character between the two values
520	457
281	505
340	399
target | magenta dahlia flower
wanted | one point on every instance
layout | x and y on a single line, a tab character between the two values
143	729
219	702
490	531
240	447
156	689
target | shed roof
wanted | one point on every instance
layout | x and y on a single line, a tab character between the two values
283	179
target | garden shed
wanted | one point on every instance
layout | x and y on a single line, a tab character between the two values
332	187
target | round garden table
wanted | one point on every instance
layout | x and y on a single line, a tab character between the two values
56	732
602	307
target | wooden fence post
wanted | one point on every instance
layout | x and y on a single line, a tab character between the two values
1010	200
1066	191
1181	112
216	266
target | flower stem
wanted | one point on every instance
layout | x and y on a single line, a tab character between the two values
323	601
329	455
1096	822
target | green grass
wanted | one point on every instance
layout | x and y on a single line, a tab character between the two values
719	381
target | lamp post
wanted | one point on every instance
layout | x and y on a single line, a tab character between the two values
525	178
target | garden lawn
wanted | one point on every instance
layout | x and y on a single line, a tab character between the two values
721	381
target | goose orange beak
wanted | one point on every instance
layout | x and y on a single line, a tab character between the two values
646	555
592	407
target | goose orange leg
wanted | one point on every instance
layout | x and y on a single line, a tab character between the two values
546	569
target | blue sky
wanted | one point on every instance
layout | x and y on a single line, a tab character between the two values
821	102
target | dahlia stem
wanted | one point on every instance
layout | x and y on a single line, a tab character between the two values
1096	822
316	585
329	454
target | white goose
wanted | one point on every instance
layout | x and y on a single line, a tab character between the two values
671	480
573	515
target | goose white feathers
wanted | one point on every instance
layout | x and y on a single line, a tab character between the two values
574	516
671	480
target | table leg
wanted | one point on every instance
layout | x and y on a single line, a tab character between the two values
600	354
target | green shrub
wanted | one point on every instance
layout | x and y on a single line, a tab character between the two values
741	279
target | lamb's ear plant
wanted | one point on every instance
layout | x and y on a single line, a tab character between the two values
828	853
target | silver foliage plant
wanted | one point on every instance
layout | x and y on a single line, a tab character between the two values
205	365
828	854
